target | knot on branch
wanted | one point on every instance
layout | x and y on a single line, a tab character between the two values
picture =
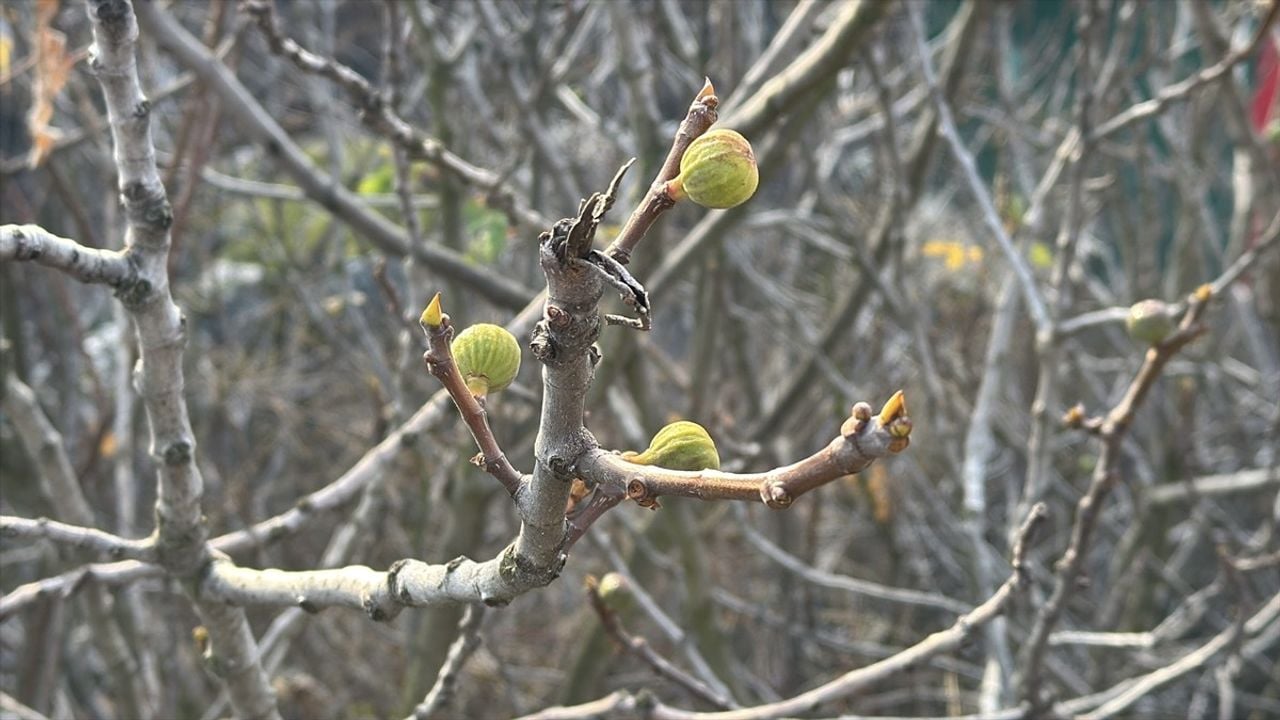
111	11
135	294
640	492
520	571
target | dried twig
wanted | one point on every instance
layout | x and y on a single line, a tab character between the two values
641	648
442	691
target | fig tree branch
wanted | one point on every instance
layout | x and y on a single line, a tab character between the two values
641	648
467	642
83	538
384	119
161	337
863	439
440	363
88	265
701	115
857	680
321	187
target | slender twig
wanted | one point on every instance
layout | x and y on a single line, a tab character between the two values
990	216
1242	481
701	115
324	189
440	363
1121	697
384	119
641	648
19	711
1112	430
54	475
856	586
1179	91
877	673
442	691
863	439
68	583
669	627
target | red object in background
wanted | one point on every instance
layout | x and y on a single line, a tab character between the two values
1263	107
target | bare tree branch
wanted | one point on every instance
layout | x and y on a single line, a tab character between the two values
91	265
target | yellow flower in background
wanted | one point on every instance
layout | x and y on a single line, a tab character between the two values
955	255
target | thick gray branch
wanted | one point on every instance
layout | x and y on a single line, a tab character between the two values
90	265
161	332
85	538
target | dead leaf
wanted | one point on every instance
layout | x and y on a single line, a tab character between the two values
53	67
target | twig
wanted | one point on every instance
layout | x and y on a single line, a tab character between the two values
853	585
701	115
863	439
441	693
19	711
161	334
1242	481
84	538
1112	431
320	186
1135	689
68	583
990	216
879	672
642	649
669	627
57	481
381	117
440	363
1179	91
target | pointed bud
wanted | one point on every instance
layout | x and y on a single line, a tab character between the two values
433	316
893	409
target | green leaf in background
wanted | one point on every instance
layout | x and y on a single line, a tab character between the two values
486	232
380	180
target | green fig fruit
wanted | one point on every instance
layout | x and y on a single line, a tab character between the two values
487	356
718	171
682	445
1149	321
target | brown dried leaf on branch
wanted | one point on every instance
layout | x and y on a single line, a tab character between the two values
53	67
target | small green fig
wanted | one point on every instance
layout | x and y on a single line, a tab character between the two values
615	592
1149	321
682	445
718	171
487	356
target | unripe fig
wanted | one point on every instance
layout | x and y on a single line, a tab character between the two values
718	171
615	593
1149	321
682	445
487	356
